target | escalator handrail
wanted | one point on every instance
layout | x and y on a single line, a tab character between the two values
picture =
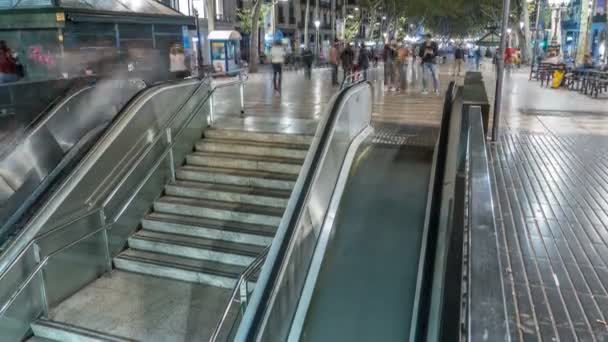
425	276
271	269
27	237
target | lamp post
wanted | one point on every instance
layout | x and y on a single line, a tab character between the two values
556	14
317	25
199	45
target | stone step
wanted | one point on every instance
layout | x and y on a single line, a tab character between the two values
260	235
257	179
179	268
228	193
65	332
258	136
225	252
256	148
245	162
219	210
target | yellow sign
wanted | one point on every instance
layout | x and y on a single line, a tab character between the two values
60	16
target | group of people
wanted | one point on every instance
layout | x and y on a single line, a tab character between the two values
352	60
10	68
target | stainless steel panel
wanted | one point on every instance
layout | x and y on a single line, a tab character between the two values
486	306
134	133
352	115
71	269
132	157
32	158
15	323
130	218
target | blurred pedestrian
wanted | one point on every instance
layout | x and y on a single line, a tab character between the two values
347	57
389	66
8	64
477	58
177	62
403	56
458	60
363	62
334	60
277	58
428	54
307	58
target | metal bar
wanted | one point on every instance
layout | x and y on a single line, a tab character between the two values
500	60
211	110
171	159
242	91
106	241
21	287
485	289
44	297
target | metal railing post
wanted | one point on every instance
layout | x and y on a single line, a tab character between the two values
106	241
244	296
242	91
211	108
171	159
45	300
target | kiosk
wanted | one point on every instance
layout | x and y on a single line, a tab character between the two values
225	51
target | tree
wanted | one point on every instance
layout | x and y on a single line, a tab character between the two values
250	20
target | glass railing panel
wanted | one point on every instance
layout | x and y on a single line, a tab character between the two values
128	219
350	115
70	269
26	307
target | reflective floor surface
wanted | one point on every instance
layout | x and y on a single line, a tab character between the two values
549	173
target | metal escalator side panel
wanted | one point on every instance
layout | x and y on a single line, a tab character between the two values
32	164
274	302
324	236
68	236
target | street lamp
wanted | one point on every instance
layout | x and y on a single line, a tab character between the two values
556	13
317	25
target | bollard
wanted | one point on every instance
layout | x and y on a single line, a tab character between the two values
242	90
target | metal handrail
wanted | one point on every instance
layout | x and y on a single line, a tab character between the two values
358	76
237	291
137	106
88	210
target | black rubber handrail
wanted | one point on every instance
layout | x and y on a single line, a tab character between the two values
434	214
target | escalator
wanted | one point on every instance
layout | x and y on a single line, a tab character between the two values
39	151
363	256
380	221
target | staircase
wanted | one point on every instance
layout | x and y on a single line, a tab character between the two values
222	210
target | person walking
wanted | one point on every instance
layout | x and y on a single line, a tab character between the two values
363	62
458	60
389	67
8	64
428	55
403	56
347	58
334	60
177	63
307	58
477	58
277	58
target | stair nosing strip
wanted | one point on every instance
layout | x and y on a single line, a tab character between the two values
224	250
177	266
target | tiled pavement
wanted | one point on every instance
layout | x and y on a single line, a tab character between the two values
550	177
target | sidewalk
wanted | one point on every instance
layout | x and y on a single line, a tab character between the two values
550	177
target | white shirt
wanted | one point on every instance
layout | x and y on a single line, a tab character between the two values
277	55
177	62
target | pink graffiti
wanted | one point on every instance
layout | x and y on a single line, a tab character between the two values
35	53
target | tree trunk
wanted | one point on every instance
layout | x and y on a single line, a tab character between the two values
253	38
525	37
306	24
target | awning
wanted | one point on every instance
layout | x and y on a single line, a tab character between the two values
224	35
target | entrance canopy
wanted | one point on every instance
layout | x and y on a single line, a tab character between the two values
490	39
224	35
